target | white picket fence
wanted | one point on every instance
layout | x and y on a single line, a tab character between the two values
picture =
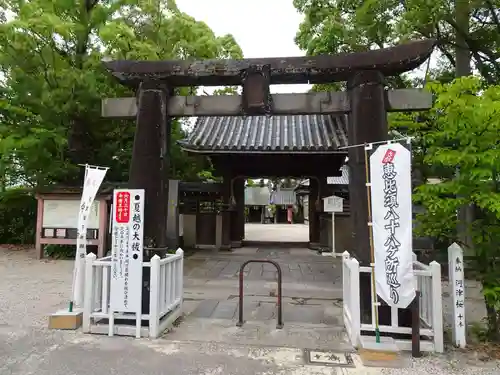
165	298
431	305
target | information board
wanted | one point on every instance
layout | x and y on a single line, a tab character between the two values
127	250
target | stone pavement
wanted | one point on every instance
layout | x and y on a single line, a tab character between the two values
277	232
311	290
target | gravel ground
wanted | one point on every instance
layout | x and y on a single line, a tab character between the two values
451	363
30	290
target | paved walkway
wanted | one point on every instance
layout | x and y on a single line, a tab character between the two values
277	232
312	299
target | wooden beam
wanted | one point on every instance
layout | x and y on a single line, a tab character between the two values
304	69
283	104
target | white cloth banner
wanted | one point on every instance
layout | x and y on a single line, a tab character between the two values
390	178
93	180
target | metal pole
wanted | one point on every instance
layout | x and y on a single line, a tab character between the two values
240	311
415	327
280	306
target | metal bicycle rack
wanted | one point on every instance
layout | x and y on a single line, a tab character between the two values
279	324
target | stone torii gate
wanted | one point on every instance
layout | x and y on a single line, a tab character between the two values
366	102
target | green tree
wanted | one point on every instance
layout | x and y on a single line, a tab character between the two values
466	136
335	26
50	55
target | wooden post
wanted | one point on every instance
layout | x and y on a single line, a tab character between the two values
238	214
173	215
149	170
313	217
333	234
149	165
103	227
323	192
226	214
39	228
240	204
367	123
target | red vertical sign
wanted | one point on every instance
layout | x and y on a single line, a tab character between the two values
122	207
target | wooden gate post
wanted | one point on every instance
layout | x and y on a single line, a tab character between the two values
313	214
226	213
367	123
147	170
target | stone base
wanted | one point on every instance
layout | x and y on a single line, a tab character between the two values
383	354
64	319
386	344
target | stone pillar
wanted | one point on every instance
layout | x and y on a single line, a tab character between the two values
367	123
150	164
313	216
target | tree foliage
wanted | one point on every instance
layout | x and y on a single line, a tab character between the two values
334	26
50	58
465	138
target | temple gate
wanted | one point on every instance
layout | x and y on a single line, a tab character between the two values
366	103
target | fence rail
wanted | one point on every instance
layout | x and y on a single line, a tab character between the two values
428	281
165	297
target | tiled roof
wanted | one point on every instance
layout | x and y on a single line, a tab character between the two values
340	180
299	133
336	180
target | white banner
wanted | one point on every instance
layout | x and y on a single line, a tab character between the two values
93	180
127	250
390	178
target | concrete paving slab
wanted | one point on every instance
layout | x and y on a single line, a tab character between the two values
304	314
294	335
225	310
277	232
205	308
40	352
266	311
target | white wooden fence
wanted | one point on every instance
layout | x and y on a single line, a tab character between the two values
431	305
165	298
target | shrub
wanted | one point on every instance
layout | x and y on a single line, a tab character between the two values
17	216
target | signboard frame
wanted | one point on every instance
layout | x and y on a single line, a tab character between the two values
127	251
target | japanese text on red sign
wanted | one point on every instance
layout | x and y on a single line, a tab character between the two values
122	209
